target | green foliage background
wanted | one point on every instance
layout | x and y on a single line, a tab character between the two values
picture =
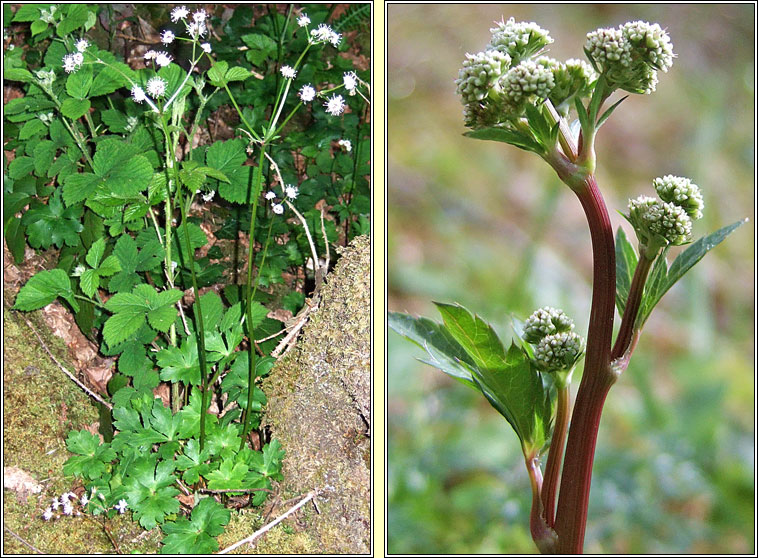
492	228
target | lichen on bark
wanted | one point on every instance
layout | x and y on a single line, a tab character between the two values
319	407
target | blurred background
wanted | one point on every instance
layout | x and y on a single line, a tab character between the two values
491	227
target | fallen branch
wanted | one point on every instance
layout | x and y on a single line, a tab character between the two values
308	497
22	541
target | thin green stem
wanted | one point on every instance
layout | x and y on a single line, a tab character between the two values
197	307
255	194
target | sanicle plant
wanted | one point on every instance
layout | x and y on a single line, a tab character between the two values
116	187
515	94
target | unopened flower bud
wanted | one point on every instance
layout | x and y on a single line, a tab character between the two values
682	192
546	321
559	351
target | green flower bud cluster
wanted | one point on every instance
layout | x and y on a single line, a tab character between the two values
631	55
669	221
480	75
546	321
559	351
556	347
497	84
682	192
520	40
573	78
527	82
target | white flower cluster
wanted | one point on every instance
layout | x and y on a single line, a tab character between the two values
196	28
324	34
659	223
72	62
290	192
303	20
350	81
345	144
288	72
546	321
307	93
161	58
682	192
497	84
335	105
66	504
156	88
48	16
630	55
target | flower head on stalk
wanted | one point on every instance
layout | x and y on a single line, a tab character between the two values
519	40
167	37
335	105
288	72
156	87
559	351
546	321
307	93
303	20
180	12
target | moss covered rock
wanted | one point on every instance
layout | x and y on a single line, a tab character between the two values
319	401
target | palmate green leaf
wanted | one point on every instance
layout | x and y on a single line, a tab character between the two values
228	475
443	351
149	491
190	415
51	224
91	456
180	364
76	16
626	262
662	279
237	73
193	461
44	288
196	535
217	72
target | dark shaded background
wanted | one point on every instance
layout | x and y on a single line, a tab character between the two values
491	227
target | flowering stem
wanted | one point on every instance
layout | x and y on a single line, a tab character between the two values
290	115
554	458
571	514
255	195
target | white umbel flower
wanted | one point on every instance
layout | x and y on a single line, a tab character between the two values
345	144
47	516
270	195
335	105
291	191
138	94
288	72
70	62
277	208
546	321
82	44
156	87
307	93
682	192
178	13
206	47
163	58
303	20
350	80
121	506
167	37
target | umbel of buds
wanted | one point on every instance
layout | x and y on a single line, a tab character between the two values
557	347
630	55
498	84
668	221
